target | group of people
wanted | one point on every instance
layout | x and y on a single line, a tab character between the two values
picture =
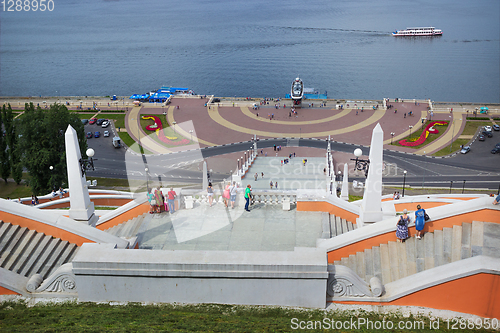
396	196
157	201
404	220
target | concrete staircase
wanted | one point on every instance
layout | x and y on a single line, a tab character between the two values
392	261
27	252
129	228
339	226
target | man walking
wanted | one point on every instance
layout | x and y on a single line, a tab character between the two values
248	196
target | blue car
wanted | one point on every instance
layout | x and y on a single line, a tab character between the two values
97	134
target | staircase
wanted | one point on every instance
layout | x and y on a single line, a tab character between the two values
339	226
393	261
129	228
27	252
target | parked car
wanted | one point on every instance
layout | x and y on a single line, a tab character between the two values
92	121
465	150
105	124
89	135
99	122
97	134
495	150
216	100
497	145
487	128
85	121
488	134
481	137
106	134
496	127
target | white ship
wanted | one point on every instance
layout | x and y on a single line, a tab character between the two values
297	91
424	31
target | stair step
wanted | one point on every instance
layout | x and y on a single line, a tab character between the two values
360	265
344	226
411	257
27	255
385	263
438	248
402	260
368	264
126	227
393	259
466	251
491	235
349	226
140	220
447	244
344	261
476	240
351	262
419	254
23	246
429	250
377	268
456	248
3	229
65	255
10	232
333	226
338	223
11	246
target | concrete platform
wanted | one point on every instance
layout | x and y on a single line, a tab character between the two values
265	228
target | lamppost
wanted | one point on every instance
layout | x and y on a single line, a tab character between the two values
404	182
87	164
451	185
392	136
174	122
463	187
147	179
410	130
191	132
362	165
52	175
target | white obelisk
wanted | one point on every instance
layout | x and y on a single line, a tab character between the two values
371	206
81	208
344	194
205	176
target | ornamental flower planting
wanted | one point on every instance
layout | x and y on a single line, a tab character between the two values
428	129
158	128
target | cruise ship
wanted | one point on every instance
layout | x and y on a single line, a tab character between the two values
423	31
297	92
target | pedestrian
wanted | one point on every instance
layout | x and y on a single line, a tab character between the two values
36	200
262	174
210	192
497	200
248	196
159	199
356	112
271	184
225	195
402	226
152	202
262	151
274	147
419	221
276	184
405	115
255	176
33	202
233	190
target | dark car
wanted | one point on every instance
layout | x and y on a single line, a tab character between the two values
89	135
496	127
488	134
497	145
97	134
92	121
85	121
481	137
99	122
495	150
216	100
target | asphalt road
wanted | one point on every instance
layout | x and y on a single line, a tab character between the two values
479	168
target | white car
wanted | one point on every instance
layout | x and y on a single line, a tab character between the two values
487	128
106	133
105	124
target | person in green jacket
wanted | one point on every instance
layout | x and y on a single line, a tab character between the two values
248	196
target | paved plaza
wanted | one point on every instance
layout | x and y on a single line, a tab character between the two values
264	228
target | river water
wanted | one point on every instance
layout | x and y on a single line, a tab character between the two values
254	48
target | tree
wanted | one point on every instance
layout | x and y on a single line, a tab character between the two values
11	136
41	145
4	154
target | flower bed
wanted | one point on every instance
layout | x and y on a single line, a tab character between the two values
428	129
158	128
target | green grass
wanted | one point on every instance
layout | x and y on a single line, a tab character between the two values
417	133
455	146
355	197
472	125
134	317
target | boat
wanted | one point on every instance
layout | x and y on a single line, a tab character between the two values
423	31
297	91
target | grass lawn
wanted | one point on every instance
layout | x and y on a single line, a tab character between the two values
13	191
91	317
417	133
455	146
472	125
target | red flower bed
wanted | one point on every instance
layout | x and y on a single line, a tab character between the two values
428	129
158	128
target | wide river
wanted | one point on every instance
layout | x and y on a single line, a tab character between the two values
253	48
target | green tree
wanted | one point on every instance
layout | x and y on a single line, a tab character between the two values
4	154
11	137
41	145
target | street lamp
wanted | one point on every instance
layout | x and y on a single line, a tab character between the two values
147	178
191	132
451	185
392	136
174	122
410	130
361	165
404	182
87	164
463	187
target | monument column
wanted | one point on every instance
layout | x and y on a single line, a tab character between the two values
81	208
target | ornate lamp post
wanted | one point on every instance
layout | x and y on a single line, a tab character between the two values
87	164
392	136
147	179
362	165
404	182
410	130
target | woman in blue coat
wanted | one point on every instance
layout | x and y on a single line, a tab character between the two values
419	221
